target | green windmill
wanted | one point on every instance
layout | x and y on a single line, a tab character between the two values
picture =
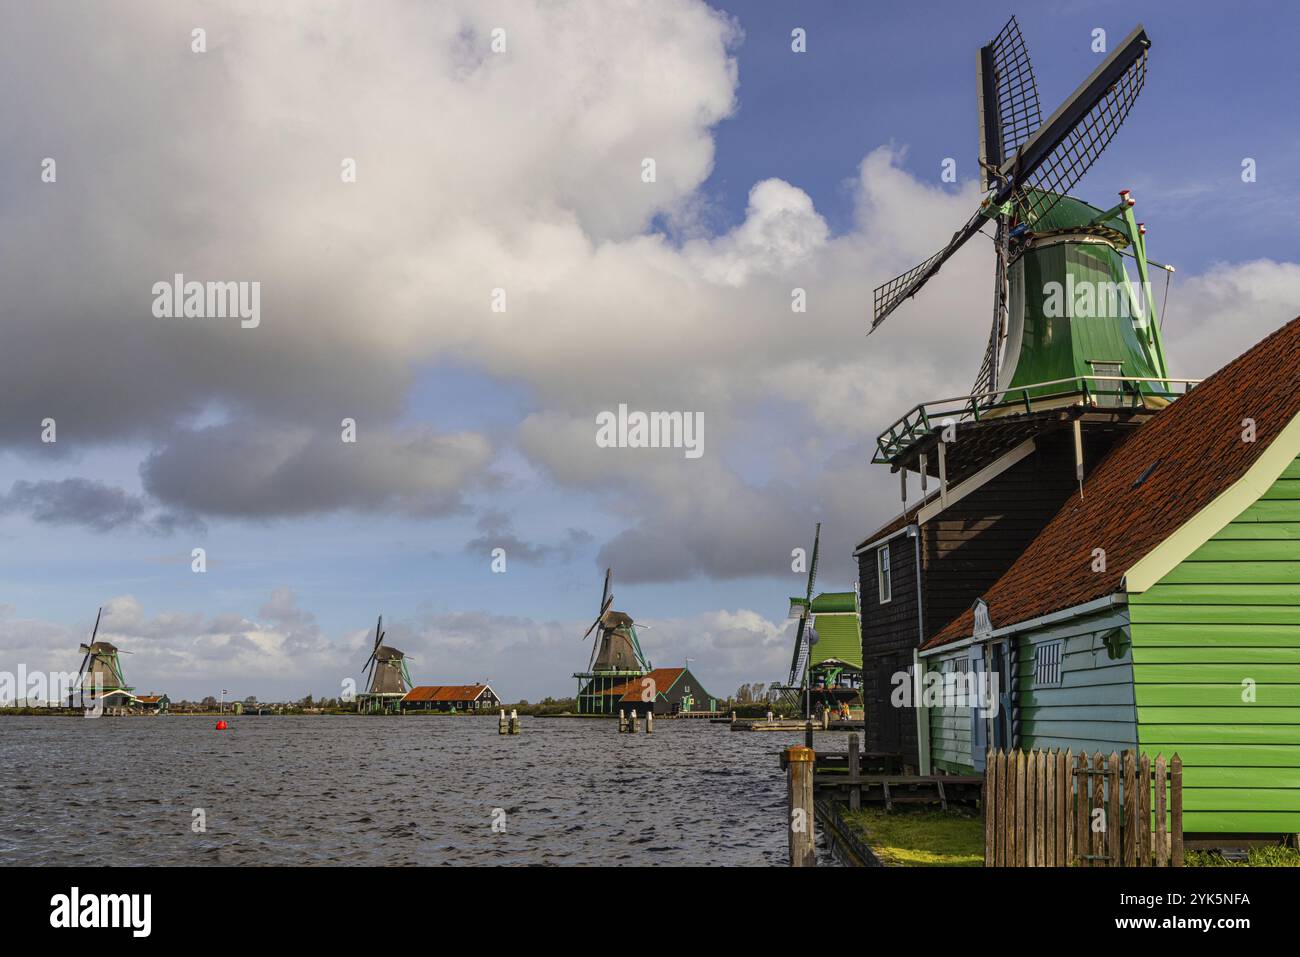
1067	314
826	664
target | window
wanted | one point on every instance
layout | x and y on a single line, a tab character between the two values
1047	663
883	583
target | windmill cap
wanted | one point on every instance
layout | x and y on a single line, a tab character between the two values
386	653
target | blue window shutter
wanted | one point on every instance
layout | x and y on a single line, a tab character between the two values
978	739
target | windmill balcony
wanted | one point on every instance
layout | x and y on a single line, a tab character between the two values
1119	395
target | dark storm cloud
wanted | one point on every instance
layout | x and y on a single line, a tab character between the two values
90	504
498	532
238	471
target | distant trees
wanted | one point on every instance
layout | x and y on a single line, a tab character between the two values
750	694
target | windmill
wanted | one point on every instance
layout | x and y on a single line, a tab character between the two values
101	668
387	679
1042	235
826	664
615	656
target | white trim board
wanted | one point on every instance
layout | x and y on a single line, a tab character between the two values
1211	520
980	478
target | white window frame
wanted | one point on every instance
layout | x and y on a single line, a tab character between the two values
884	575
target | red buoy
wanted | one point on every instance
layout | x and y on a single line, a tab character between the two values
221	726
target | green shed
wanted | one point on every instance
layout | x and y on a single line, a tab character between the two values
1159	609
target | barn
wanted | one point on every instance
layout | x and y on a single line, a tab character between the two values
458	698
669	691
1159	609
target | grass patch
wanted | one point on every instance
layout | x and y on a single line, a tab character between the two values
921	838
1257	857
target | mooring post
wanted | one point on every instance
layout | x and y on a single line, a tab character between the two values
802	820
650	722
826	719
636	723
855	787
514	721
502	727
808	734
622	721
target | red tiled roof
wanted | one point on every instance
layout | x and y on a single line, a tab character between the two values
630	690
445	693
1193	451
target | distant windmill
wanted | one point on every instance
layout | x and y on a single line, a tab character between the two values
101	668
387	679
615	654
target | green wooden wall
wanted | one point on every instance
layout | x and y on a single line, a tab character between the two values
950	726
1089	708
1226	617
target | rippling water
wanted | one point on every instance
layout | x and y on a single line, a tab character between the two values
388	790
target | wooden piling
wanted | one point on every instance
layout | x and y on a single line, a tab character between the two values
636	723
514	722
503	726
622	721
801	819
650	722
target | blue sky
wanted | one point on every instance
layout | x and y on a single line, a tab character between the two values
676	306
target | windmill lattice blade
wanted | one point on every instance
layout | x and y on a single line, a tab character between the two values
798	647
1072	157
890	295
98	615
1019	114
1069	142
812	569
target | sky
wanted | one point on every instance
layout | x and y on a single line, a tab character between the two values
516	175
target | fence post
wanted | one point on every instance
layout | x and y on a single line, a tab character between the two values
1162	835
1050	806
1144	811
1130	809
801	818
989	803
855	789
1033	813
1114	827
1081	832
1176	802
1064	788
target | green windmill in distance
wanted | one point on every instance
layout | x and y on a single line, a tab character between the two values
826	663
100	675
1066	315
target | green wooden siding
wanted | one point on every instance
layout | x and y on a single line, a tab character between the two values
950	725
1226	617
839	637
1091	709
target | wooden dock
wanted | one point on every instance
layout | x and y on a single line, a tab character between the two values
876	778
789	724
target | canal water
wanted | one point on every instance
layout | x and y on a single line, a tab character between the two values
344	790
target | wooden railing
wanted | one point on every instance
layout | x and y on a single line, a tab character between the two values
1107	392
1054	809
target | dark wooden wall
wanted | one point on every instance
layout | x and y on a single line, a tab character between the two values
964	550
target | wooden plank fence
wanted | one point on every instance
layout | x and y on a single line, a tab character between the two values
1056	809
